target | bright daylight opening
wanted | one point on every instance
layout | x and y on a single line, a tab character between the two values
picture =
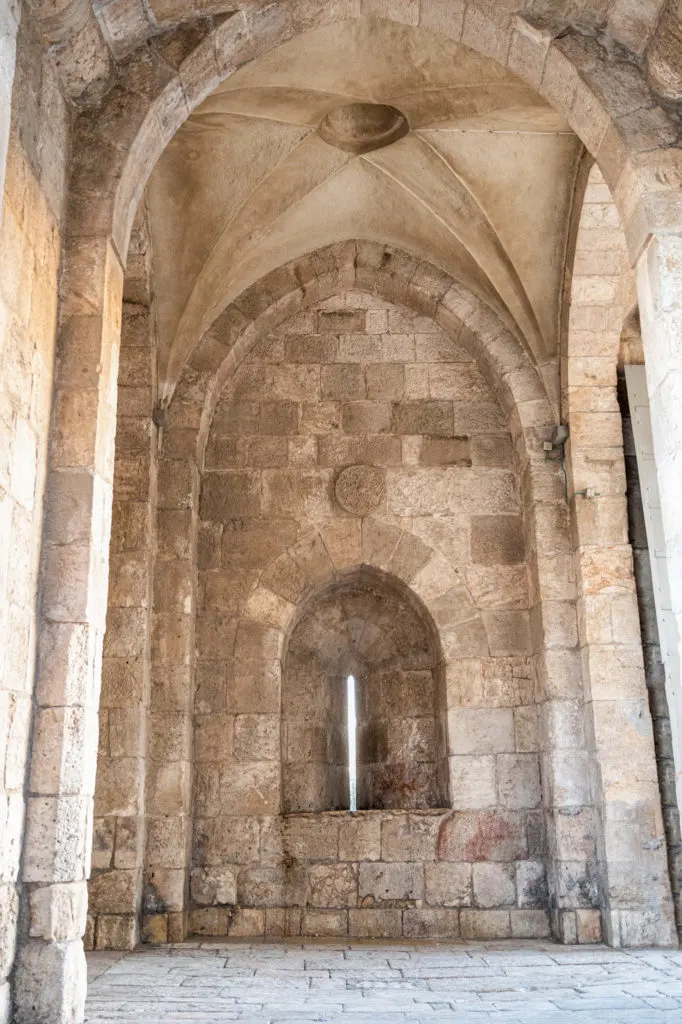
352	749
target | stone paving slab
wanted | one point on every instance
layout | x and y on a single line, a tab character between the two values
384	983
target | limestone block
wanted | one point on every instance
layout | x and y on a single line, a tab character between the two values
431	924
290	493
250	787
613	673
369	449
508	632
434	418
113	892
485	924
9	913
57	841
117	931
507	682
395	881
333	885
365	417
379	541
52	979
567	778
360	839
103	843
448	884
168	787
155	929
497	540
269	608
282	885
64	757
211	678
216	921
320	418
128	842
226	839
477	731
575	835
343	541
454	451
344	381
473	782
213	737
409	558
560	677
58	912
589	925
385	381
165	888
286	578
226	496
324	923
519	781
126	632
409	837
483	836
311	838
170	736
494	885
372	923
166	843
562	725
531	884
530	924
257	738
245	922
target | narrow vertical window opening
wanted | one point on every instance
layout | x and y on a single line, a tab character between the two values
352	747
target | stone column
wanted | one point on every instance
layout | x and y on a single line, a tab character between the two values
115	889
659	285
9	23
50	976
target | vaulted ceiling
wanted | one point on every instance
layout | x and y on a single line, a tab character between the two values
481	186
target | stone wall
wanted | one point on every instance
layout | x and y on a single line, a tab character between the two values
355	381
30	244
114	891
379	874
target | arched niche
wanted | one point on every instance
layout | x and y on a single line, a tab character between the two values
369	625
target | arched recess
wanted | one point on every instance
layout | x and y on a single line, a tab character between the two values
368	625
634	143
298	852
397	277
616	703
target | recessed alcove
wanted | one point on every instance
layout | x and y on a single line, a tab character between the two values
369	625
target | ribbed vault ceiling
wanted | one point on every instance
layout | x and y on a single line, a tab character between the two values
481	186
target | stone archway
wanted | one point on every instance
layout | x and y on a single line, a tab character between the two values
75	576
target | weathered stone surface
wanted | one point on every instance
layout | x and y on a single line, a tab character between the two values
392	881
359	489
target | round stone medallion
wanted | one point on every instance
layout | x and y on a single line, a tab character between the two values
362	127
359	489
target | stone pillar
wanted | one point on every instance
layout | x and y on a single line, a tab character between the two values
115	889
659	285
9	23
50	975
566	780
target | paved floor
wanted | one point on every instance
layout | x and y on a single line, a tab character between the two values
383	983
